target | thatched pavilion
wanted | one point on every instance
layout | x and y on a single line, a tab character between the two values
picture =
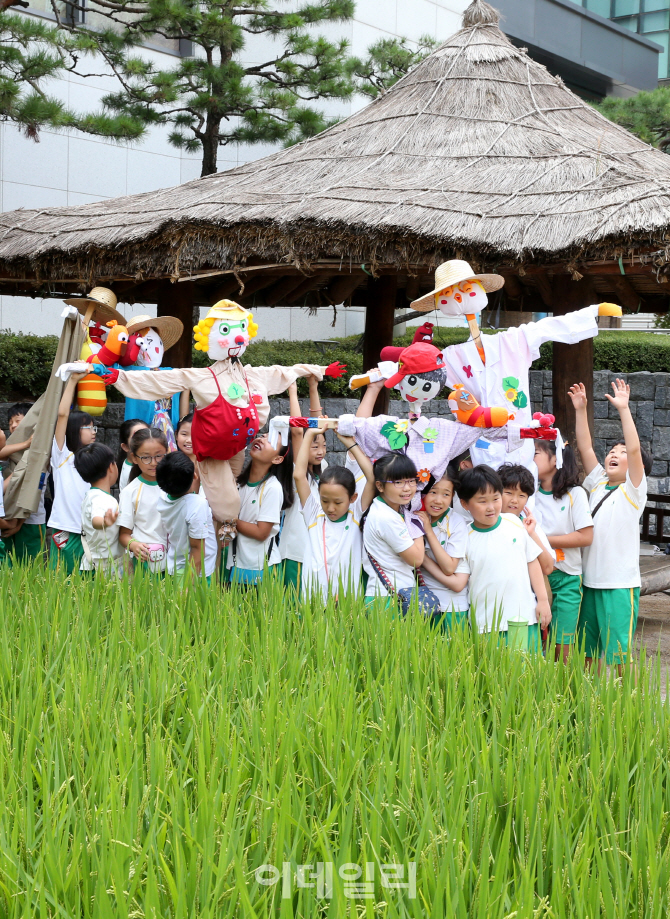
478	153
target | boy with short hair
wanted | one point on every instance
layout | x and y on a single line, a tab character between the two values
96	464
518	486
186	516
501	561
617	496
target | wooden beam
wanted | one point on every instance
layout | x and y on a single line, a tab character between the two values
281	288
571	363
513	287
544	288
342	287
379	324
224	290
177	300
304	288
626	293
257	283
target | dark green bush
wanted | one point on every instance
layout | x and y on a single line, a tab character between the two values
26	360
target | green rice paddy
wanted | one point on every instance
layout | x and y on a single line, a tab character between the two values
158	748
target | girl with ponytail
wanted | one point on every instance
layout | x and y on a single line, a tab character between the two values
563	508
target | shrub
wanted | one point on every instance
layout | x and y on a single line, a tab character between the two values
26	360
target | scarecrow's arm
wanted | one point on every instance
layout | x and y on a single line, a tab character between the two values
277	379
568	330
156	384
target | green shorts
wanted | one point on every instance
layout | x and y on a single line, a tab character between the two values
451	619
566	602
28	543
291	574
607	622
534	639
68	557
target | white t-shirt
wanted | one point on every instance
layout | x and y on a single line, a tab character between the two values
104	546
124	475
333	551
385	535
560	516
40	515
613	558
293	538
69	491
497	561
138	512
259	503
452	533
185	518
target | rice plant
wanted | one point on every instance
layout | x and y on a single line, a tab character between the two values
160	748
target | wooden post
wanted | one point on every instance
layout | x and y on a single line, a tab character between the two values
177	300
379	324
571	363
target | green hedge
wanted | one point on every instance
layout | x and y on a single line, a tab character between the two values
26	360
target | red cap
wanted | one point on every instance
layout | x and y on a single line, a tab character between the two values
419	358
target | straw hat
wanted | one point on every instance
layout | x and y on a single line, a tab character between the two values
449	273
168	327
227	309
104	301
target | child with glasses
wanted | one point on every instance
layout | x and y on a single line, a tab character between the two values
142	531
390	554
74	430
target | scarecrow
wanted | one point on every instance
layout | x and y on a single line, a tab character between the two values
431	443
494	368
149	339
96	311
231	399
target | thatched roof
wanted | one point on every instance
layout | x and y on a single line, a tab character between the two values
479	152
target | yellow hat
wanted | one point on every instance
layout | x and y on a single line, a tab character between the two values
227	309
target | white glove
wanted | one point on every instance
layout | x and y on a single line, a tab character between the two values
346	425
70	312
65	371
387	368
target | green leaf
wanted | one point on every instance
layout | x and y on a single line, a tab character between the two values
397	440
521	400
510	383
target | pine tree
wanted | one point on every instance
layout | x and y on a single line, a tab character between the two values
210	98
32	52
646	114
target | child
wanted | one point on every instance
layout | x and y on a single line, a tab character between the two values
29	541
186	517
183	436
294	538
518	486
563	508
266	489
459	464
390	554
97	467
125	464
74	430
141	529
617	496
332	560
446	537
501	561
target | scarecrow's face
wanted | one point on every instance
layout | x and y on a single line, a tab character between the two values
416	390
151	354
462	299
228	338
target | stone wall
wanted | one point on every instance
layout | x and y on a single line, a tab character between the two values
650	405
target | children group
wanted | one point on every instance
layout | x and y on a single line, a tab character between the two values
493	549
